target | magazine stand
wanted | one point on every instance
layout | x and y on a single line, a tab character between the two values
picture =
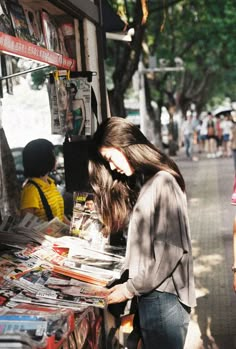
16	46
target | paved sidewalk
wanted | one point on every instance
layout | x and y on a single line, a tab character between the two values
209	187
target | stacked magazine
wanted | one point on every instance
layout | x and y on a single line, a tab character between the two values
31	281
40	323
42	264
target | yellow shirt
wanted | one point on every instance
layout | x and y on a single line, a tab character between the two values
30	198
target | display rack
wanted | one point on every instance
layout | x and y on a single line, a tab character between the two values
18	47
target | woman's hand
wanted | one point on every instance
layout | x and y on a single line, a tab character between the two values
118	294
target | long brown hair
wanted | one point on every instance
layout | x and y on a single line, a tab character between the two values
116	194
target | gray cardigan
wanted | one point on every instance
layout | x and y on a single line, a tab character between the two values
159	255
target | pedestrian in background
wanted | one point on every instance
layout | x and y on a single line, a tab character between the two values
137	184
226	126
203	135
211	134
233	140
187	131
219	137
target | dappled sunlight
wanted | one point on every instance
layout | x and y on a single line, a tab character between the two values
194	201
206	263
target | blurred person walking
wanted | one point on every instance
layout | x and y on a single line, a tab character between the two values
187	131
211	133
227	125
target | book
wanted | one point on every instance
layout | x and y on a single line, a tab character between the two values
33	19
5	20
18	20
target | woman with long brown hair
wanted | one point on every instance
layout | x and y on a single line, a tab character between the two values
138	186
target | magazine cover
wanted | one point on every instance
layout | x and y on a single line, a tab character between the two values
50	32
62	45
33	19
18	20
7	291
31	298
80	106
39	323
54	105
66	31
5	20
65	116
85	222
59	102
69	296
6	267
78	288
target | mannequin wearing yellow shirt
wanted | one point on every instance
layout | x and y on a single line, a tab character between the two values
38	160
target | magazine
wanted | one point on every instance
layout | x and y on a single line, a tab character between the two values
74	303
50	32
39	323
62	45
96	267
7	291
85	276
19	21
80	106
65	25
77	287
85	222
6	267
69	295
33	19
54	105
5	20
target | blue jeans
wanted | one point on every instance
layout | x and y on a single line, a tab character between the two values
188	140
163	321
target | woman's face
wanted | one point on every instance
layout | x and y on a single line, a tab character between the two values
117	160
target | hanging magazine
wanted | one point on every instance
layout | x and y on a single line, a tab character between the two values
80	106
50	32
18	20
56	127
34	24
5	20
70	105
